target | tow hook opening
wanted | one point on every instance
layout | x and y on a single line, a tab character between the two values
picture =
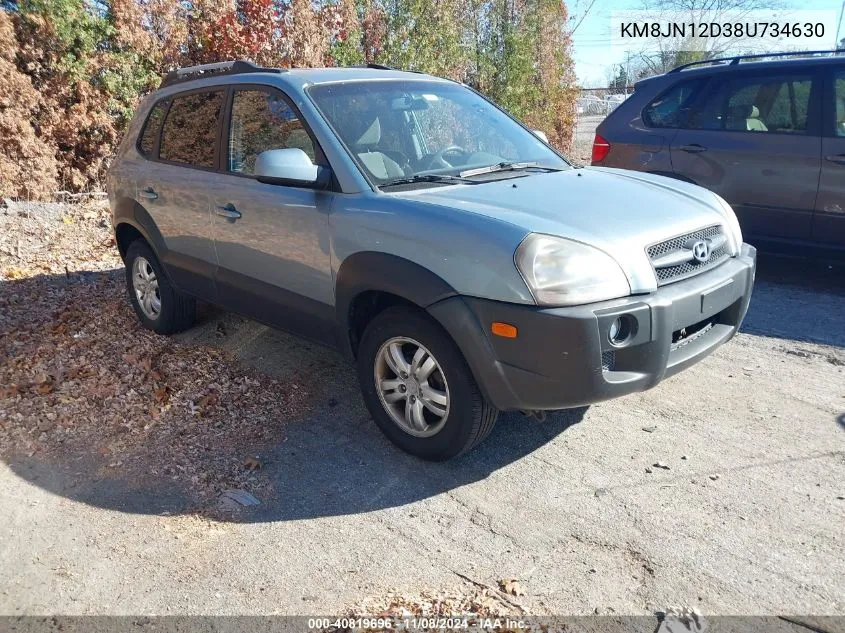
692	332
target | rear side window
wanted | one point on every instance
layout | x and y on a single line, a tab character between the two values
671	109
151	128
263	121
189	135
754	104
839	106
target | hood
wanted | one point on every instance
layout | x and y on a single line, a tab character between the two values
619	211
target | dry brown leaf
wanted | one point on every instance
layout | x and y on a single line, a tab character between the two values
511	586
162	394
9	392
208	400
253	463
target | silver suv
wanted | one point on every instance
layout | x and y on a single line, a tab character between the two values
463	264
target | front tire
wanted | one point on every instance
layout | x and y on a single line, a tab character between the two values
418	387
159	306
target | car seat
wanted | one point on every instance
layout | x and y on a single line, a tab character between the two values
377	163
745	117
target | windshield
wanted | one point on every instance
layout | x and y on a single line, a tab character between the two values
409	131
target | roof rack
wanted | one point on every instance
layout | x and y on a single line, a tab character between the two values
221	68
375	66
733	61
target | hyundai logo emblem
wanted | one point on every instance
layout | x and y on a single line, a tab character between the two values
701	251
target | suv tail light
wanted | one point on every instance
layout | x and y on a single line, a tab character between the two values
601	148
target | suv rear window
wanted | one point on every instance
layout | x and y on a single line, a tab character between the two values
151	127
671	109
190	129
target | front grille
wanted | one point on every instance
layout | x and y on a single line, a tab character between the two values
677	245
608	360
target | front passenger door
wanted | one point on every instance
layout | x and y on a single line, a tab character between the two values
272	241
829	221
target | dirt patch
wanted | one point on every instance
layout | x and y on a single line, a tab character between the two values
80	376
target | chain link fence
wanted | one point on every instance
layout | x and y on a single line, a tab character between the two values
591	107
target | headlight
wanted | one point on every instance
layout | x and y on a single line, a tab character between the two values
561	272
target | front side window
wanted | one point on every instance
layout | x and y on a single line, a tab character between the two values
400	129
839	108
263	121
754	104
151	128
189	135
671	109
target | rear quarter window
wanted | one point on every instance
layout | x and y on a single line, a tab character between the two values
671	109
147	142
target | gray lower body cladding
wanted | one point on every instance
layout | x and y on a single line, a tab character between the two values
563	357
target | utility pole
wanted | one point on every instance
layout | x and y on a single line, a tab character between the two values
839	26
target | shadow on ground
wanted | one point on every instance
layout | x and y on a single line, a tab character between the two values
332	460
798	299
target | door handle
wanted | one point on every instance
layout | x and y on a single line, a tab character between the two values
836	158
229	212
148	193
695	148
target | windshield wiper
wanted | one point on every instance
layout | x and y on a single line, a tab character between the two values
504	166
428	178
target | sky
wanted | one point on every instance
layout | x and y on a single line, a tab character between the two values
591	42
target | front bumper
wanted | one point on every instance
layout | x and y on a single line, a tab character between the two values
563	357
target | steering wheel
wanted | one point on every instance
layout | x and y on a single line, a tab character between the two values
447	157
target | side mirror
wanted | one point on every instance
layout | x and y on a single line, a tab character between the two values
540	134
290	167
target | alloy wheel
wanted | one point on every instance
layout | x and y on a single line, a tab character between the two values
145	285
411	386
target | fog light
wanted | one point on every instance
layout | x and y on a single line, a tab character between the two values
620	330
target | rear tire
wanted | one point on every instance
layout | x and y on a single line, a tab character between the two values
447	414
159	306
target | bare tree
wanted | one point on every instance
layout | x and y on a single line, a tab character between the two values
674	51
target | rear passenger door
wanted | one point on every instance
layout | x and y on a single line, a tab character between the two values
175	187
829	221
753	138
272	240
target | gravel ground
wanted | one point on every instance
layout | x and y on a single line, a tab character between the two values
744	516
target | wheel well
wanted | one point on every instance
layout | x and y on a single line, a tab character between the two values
125	234
367	306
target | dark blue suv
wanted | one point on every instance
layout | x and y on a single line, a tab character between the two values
767	136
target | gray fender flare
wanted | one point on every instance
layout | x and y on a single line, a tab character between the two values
382	272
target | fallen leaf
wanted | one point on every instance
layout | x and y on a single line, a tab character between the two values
253	463
208	400
45	384
9	392
511	586
161	394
